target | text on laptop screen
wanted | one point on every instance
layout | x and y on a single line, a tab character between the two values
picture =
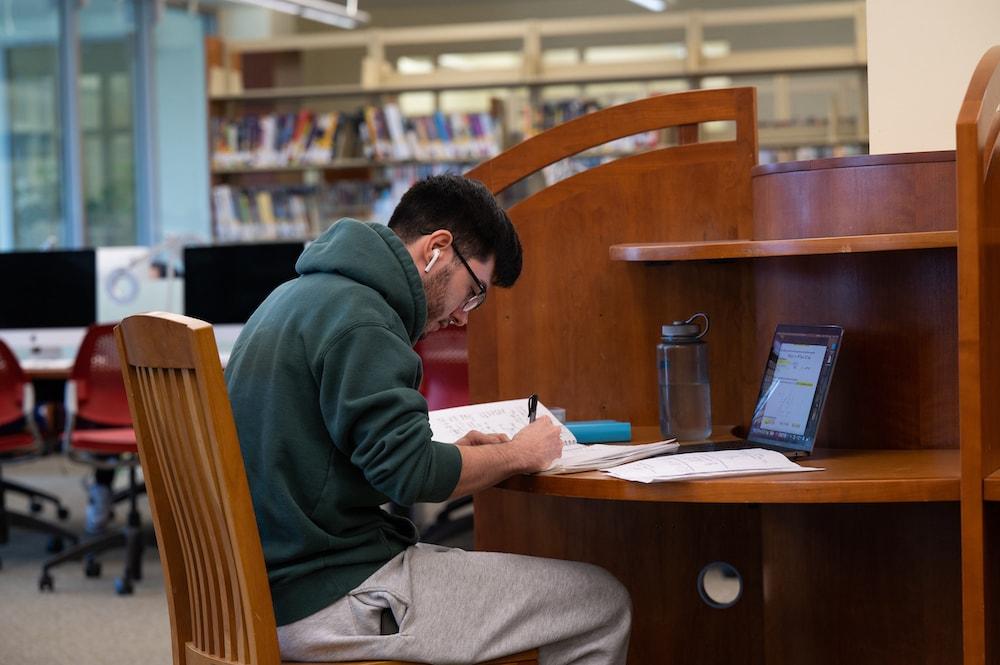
794	387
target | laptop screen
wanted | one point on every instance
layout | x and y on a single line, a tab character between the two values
793	391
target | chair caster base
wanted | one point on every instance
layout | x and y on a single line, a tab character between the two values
45	583
123	587
92	568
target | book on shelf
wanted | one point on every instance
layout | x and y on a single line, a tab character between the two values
245	214
381	133
511	416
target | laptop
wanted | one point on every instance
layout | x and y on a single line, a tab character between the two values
792	393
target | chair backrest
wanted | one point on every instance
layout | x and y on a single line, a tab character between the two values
97	376
216	583
12	382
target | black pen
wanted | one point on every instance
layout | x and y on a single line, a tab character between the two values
532	407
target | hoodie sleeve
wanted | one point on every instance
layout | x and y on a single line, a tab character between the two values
377	418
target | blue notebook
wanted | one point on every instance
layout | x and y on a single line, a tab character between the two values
600	431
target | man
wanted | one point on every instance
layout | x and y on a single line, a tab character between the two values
323	382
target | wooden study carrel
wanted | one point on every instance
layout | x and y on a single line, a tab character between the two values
887	556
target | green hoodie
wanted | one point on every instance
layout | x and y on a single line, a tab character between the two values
323	382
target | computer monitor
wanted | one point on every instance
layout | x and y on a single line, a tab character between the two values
47	299
224	284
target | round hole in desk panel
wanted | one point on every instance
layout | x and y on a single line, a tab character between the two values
720	585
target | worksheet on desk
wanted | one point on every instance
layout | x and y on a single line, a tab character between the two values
507	417
714	464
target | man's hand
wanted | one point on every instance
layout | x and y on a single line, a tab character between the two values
475	438
537	445
488	459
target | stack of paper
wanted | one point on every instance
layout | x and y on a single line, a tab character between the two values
713	464
511	416
578	457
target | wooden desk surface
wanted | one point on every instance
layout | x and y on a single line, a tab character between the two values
850	476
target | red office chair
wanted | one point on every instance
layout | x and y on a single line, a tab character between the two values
99	433
445	356
20	441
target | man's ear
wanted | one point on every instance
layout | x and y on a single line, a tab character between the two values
439	240
426	249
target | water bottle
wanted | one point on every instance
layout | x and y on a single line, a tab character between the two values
685	395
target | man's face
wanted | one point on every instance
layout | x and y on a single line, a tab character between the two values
450	286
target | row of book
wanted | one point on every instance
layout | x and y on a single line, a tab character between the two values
309	138
245	213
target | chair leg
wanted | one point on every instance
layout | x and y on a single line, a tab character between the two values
88	548
36	496
132	537
123	494
35	524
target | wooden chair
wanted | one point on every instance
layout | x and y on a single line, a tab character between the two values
217	589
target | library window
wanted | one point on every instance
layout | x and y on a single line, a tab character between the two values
108	186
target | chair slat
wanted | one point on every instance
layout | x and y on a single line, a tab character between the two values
217	533
193	471
152	426
175	461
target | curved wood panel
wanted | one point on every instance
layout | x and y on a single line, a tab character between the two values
850	476
855	196
584	329
750	249
570	138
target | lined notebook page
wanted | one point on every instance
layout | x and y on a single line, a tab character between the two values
508	417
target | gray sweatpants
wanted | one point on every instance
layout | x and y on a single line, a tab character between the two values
455	607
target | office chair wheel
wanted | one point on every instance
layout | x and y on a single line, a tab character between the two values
123	586
45	582
92	568
35	507
55	545
62	513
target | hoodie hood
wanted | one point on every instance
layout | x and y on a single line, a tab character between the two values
372	255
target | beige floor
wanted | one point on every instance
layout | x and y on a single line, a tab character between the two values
83	621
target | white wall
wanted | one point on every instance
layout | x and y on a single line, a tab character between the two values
921	54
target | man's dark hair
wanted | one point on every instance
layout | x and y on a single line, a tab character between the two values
479	226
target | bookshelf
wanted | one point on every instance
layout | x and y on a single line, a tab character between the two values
536	90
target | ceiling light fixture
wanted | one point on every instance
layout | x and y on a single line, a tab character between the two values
651	5
321	11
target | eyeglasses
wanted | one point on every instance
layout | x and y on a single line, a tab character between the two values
476	299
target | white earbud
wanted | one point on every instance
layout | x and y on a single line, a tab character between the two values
434	258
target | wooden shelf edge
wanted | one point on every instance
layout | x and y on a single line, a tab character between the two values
850	476
750	249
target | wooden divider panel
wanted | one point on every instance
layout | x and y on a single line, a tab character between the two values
581	330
